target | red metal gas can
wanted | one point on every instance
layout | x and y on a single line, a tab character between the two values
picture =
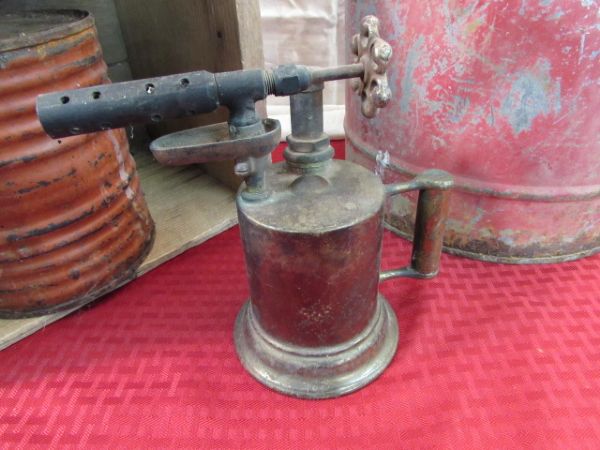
505	96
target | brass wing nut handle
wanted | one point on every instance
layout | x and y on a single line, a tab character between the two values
374	54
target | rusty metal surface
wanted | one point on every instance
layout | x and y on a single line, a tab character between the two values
73	221
300	228
27	29
504	97
315	326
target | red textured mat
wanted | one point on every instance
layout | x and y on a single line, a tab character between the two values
490	356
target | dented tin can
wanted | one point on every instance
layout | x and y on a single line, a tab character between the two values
504	96
73	220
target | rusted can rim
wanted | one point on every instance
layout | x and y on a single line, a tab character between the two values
44	26
516	192
551	259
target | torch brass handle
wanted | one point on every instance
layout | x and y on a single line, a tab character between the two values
432	211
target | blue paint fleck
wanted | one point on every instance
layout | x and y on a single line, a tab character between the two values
506	236
557	15
532	94
491	118
460	107
412	60
556	88
398	26
522	8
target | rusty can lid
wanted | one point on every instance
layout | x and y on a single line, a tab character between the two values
338	196
28	28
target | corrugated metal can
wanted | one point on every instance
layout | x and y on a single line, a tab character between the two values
73	220
505	96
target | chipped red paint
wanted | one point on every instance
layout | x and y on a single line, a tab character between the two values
73	220
504	96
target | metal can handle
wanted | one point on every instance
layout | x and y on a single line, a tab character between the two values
432	211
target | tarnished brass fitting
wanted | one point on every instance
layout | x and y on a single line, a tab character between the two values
374	54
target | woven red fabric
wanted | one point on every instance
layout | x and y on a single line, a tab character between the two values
490	356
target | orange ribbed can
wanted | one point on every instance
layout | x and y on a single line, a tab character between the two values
73	220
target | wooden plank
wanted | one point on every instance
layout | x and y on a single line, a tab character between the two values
188	207
181	35
163	38
119	72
